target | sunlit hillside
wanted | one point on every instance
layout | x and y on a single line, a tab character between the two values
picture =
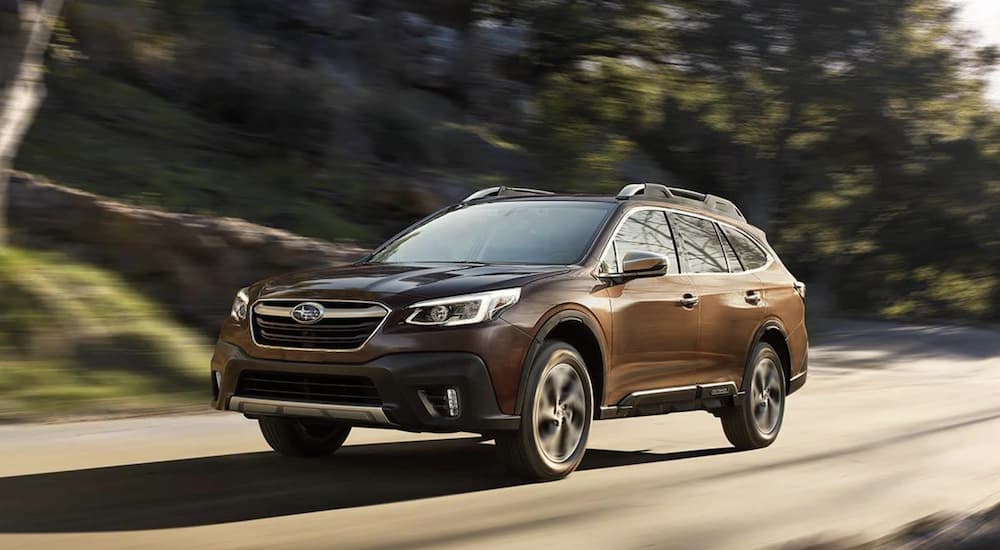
75	339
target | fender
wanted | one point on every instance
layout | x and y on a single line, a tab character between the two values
572	313
769	324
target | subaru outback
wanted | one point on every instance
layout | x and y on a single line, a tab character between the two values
524	316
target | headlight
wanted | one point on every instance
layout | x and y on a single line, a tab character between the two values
239	310
463	310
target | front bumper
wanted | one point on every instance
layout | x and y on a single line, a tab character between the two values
397	377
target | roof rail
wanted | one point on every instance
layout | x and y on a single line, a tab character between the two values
655	191
504	192
646	190
687	194
724	206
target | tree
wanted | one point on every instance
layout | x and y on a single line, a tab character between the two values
859	129
854	132
25	29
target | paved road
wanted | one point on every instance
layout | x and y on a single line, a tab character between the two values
895	423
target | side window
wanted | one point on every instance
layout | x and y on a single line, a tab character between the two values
751	255
701	244
646	230
731	257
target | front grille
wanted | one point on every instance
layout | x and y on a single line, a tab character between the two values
333	389
345	325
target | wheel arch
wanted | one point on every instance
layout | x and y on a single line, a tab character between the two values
582	331
771	332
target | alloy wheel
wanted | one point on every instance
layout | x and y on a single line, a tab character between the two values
560	413
766	395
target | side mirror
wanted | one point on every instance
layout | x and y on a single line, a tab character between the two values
638	263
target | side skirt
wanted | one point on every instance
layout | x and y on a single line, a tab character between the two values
700	397
797	382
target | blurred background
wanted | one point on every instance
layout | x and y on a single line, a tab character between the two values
165	153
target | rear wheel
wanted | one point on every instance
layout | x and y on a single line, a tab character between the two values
303	437
555	418
756	421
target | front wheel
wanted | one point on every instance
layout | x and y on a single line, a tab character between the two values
756	421
303	437
555	419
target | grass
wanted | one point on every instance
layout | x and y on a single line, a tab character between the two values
77	340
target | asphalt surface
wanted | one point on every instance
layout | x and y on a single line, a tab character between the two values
896	422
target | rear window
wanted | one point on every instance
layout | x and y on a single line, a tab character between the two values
751	255
701	245
734	261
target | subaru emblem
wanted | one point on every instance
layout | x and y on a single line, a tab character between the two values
307	313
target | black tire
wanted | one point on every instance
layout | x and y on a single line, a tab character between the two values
756	421
550	444
303	437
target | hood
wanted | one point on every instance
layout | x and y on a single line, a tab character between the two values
401	284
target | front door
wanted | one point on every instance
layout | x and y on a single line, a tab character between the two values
654	334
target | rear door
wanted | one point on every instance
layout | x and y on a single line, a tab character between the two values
777	289
730	298
654	337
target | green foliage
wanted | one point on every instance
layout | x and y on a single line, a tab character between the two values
567	31
588	117
271	100
397	132
121	140
76	339
855	132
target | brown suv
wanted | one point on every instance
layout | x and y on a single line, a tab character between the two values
524	315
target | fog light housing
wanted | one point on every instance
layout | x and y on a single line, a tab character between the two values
441	401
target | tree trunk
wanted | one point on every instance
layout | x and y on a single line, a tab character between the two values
25	29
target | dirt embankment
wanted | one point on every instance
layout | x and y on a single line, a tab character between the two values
192	264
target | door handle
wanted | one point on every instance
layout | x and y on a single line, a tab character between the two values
752	297
689	300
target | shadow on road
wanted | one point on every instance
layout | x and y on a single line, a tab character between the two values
897	344
220	489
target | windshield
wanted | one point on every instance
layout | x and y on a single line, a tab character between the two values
518	232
